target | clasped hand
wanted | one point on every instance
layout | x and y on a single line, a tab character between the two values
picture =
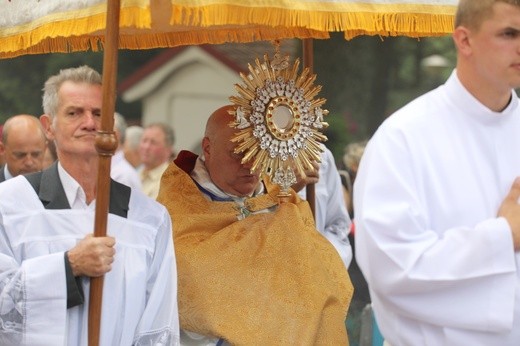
92	256
510	210
311	177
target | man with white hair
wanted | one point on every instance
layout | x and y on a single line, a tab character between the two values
131	145
121	170
48	253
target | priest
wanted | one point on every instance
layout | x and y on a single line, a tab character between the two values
251	270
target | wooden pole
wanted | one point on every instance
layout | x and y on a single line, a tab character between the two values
106	145
308	62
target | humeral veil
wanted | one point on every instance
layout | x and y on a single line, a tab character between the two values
270	278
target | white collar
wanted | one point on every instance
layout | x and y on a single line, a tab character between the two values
461	98
75	194
7	174
201	175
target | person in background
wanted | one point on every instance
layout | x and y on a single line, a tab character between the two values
360	319
251	271
50	154
23	146
351	158
155	150
121	170
2	159
331	217
48	253
436	196
131	145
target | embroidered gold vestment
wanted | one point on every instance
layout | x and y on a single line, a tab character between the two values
269	279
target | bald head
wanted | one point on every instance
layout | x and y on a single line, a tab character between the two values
23	144
218	124
22	122
224	166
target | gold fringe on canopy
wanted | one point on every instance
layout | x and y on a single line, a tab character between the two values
383	17
149	24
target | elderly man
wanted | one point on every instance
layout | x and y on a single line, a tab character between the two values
121	170
155	151
23	146
251	270
131	145
48	254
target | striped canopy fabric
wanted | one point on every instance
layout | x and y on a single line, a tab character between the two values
42	26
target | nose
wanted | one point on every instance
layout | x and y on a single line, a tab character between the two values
29	160
90	121
144	145
247	165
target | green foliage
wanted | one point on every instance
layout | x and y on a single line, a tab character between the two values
20	86
366	79
337	134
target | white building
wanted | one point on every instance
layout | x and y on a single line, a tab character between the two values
183	85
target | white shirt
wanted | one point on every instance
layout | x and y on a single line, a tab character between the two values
75	194
140	295
332	219
151	179
7	174
122	171
440	265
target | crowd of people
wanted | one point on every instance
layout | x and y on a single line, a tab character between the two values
200	251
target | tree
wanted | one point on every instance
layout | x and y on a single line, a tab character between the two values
367	78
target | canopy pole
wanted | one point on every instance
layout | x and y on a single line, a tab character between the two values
106	145
308	62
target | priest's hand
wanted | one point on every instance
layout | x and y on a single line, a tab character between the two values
312	177
510	210
92	256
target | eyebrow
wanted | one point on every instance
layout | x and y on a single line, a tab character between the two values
69	108
510	28
25	152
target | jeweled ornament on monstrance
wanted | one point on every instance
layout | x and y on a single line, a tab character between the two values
279	119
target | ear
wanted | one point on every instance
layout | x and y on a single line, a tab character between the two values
205	147
462	39
46	122
2	148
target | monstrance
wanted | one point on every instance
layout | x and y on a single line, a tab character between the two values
279	119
